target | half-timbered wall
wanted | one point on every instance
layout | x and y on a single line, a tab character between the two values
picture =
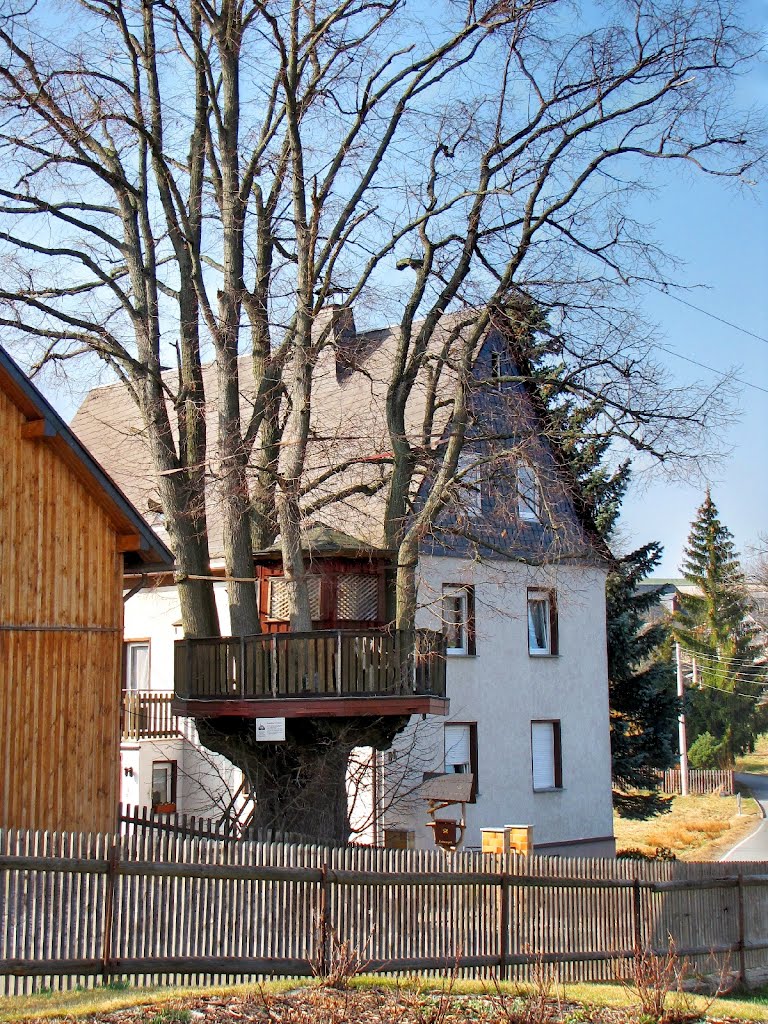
60	641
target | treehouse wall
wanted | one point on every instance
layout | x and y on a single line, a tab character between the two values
61	615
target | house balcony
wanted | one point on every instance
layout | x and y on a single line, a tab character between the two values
325	673
149	715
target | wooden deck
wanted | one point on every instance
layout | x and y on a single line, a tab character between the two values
324	673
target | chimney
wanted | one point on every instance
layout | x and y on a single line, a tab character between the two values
334	325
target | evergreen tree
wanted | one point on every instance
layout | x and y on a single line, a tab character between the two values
641	676
712	626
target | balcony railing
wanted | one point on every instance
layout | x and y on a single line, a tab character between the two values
333	663
148	716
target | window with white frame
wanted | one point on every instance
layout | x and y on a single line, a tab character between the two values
137	665
530	505
460	751
546	756
459	618
542	622
470	490
164	776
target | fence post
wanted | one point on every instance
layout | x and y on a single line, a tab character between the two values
109	909
324	938
504	928
637	920
742	952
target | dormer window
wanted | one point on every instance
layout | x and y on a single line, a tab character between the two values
530	505
470	491
496	370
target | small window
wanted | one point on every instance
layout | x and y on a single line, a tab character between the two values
357	597
542	622
278	597
137	665
459	619
470	490
546	756
460	751
164	785
496	370
529	501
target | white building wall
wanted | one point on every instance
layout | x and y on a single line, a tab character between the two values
503	689
205	781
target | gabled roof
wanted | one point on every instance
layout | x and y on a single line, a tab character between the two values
139	542
349	429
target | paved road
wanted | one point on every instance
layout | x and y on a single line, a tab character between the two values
754	847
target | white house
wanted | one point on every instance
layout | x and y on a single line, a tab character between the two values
513	576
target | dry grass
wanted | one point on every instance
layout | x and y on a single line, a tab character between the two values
375	1000
757	761
697	828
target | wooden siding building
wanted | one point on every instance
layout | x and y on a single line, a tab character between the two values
67	534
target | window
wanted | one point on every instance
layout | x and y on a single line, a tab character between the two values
529	500
278	597
460	751
470	492
164	784
546	756
496	370
137	665
542	622
459	619
357	597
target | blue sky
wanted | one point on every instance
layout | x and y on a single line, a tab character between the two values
720	232
723	237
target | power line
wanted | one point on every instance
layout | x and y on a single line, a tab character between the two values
713	659
712	316
712	369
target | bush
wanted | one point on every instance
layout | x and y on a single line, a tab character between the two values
706	752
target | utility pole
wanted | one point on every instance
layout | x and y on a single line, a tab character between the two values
683	740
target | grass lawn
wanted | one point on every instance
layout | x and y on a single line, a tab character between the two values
696	828
756	762
378	1001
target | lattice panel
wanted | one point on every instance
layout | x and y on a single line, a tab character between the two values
358	598
279	608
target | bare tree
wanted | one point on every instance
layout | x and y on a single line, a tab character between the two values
195	178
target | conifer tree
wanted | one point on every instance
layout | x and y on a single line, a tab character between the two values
723	708
641	676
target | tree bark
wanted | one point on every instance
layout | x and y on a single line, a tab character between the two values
300	785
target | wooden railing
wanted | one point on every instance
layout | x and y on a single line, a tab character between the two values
148	715
350	663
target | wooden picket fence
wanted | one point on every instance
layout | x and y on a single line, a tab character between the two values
143	821
164	908
701	781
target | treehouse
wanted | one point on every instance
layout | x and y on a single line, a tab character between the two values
352	663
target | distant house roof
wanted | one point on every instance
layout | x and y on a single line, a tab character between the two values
46	424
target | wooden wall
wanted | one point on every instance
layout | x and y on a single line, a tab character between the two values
61	616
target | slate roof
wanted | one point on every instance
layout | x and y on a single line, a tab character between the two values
349	425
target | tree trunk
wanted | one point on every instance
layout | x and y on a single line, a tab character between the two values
300	785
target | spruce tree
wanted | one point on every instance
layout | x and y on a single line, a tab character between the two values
712	626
